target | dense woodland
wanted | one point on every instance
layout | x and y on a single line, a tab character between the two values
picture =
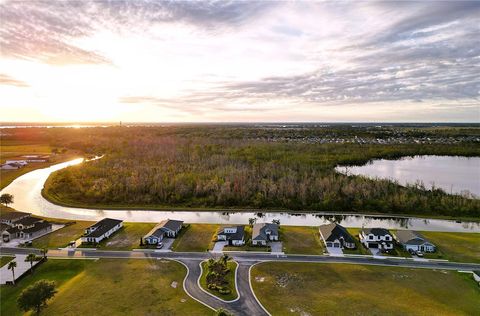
225	167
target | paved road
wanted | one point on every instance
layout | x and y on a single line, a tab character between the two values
246	304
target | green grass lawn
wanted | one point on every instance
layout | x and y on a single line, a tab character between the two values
4	260
128	237
110	287
61	238
342	289
301	240
60	271
196	237
462	247
232	265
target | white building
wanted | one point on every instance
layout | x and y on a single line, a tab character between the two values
101	230
234	235
379	238
414	241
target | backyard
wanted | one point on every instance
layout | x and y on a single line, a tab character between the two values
317	289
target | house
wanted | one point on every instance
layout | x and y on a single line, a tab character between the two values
10	166
20	162
336	236
235	236
101	230
166	228
10	233
379	238
38	229
27	222
11	217
4	227
414	241
263	233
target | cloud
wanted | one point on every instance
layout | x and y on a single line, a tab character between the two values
9	81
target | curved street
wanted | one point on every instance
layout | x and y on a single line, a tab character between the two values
247	303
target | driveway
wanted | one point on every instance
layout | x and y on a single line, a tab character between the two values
276	246
375	251
218	247
333	251
167	244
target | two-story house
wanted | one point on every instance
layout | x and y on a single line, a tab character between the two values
379	238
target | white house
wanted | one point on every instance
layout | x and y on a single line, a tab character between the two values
101	230
336	236
379	238
263	233
38	229
166	228
414	241
20	162
10	166
234	235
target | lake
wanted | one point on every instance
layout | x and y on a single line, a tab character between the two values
455	175
27	197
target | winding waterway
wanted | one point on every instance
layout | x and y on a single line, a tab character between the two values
28	198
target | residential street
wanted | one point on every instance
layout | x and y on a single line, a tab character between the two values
246	304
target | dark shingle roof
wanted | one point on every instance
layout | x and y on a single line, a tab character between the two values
259	231
333	231
9	216
4	227
103	226
161	228
376	231
238	235
37	227
27	221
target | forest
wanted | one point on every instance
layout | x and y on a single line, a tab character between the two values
225	167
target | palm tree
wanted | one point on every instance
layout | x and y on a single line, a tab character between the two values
44	253
31	258
11	266
224	259
251	221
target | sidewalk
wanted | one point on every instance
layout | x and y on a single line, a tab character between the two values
22	267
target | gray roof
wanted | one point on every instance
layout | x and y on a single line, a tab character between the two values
37	227
259	231
333	231
29	220
410	237
376	231
4	227
103	226
164	226
238	235
12	216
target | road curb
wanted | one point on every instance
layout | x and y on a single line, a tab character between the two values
251	288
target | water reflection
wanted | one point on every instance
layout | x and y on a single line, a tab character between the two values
28	198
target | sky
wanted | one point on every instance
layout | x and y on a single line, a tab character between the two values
239	61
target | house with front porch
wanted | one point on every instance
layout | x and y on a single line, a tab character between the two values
235	236
101	230
379	238
167	228
336	236
262	233
414	241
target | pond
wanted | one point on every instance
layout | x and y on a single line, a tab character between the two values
27	197
453	174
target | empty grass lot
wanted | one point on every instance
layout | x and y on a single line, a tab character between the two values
128	237
111	287
60	238
196	237
342	289
301	240
230	278
462	247
360	249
